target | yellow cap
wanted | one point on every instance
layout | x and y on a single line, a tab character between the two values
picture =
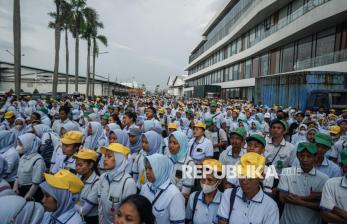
213	164
332	115
172	126
9	114
251	162
86	154
335	130
116	147
161	111
65	180
72	137
200	125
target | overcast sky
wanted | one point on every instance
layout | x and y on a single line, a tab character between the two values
149	40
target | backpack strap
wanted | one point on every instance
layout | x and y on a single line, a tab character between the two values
195	202
232	201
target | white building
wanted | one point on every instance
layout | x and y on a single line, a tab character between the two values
249	41
176	85
41	79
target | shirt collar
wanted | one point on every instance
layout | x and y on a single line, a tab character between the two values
258	198
283	142
200	141
216	200
91	179
312	171
165	185
325	162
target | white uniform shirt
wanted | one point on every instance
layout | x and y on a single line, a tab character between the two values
168	206
200	150
30	170
62	162
213	137
69	217
293	180
89	193
284	153
334	194
227	158
260	209
111	193
183	184
12	158
204	213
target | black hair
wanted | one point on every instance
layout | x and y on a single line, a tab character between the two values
66	109
37	115
143	206
131	115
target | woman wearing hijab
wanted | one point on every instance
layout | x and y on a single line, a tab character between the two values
167	201
151	143
16	210
178	148
119	136
111	126
31	167
5	188
50	144
185	127
115	184
58	199
300	136
70	126
96	136
20	126
8	151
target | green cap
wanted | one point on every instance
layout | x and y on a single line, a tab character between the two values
111	107
86	114
213	104
44	110
208	121
189	111
105	117
240	132
344	156
310	147
281	122
323	139
258	138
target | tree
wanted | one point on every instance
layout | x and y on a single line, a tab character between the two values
89	26
103	40
66	21
17	45
57	25
77	21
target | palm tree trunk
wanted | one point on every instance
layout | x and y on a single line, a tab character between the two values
76	59
94	57
67	59
57	47
88	68
17	45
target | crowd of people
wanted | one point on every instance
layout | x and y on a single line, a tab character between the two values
123	160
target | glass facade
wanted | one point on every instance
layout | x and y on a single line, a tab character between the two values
267	27
318	49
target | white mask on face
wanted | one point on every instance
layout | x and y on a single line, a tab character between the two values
18	126
20	150
302	132
208	188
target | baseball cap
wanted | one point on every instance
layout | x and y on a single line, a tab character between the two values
258	138
310	147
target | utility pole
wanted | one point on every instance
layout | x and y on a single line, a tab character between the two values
17	46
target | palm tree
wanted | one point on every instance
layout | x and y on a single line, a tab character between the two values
77	21
89	27
103	40
66	20
57	25
17	45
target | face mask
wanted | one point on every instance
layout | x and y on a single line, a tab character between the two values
208	188
20	150
302	132
18	126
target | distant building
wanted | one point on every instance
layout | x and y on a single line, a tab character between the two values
272	50
176	85
41	79
133	84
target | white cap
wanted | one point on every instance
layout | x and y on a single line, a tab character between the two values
267	115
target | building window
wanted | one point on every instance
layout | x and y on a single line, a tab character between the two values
287	58
264	65
325	47
236	75
304	54
248	69
274	61
255	67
